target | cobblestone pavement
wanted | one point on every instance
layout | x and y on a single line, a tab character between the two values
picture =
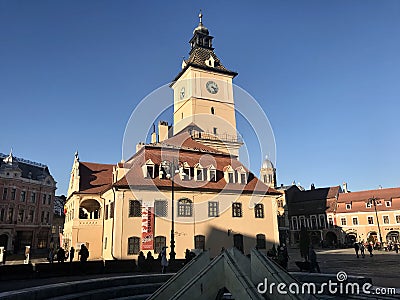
383	267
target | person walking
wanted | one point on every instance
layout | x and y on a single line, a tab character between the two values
396	247
164	261
312	256
71	254
362	249
356	248
60	255
370	249
83	253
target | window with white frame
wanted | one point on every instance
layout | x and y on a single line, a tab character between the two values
388	203
294	223
314	222
348	206
229	174
397	219
212	173
185	208
242	175
386	220
355	221
212	208
370	220
330	221
302	222
186	171
322	222
343	221
259	210
368	204
198	172
148	169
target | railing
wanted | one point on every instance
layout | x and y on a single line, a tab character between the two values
218	137
86	222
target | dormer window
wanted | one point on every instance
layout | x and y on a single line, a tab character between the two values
212	173
388	203
242	175
348	206
186	171
229	174
148	169
199	172
368	205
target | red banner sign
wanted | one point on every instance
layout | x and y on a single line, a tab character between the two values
147	228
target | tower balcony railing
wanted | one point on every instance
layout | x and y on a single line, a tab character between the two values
195	134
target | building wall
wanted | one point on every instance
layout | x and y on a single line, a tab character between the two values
18	227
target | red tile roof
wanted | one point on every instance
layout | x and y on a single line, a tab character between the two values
157	154
358	200
94	177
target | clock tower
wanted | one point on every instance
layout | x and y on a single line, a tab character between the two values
203	96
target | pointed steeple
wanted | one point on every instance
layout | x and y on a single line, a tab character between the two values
201	37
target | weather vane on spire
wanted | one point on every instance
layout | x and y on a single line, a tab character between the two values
200	16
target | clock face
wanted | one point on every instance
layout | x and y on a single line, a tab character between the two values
212	87
182	93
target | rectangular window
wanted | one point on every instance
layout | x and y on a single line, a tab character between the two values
48	199
42	217
33	197
370	220
314	222
294	223
53	229
330	221
213	209
230	177
368	204
397	219
386	220
348	206
199	174
343	221
105	243
243	178
215	130
20	215
30	216
260	238
10	216
135	208
111	210
388	203
44	200
150	171
213	175
13	193
159	243
5	190
133	245
322	221
237	210
2	212
23	196
200	242
106	213
160	208
355	221
47	217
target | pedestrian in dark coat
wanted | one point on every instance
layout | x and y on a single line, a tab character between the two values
71	254
356	248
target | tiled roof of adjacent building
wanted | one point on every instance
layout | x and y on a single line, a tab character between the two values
359	199
94	177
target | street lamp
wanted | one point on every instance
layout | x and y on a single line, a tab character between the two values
170	169
373	200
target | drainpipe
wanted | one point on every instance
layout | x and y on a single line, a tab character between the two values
112	232
122	221
102	233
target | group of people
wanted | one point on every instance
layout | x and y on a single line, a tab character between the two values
144	263
360	247
61	255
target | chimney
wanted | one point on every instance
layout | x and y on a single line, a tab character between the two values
163	131
139	146
154	135
345	187
312	186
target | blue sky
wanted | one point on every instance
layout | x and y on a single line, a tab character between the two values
326	73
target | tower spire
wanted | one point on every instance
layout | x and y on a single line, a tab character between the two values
200	18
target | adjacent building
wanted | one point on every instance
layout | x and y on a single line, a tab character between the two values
26	204
372	215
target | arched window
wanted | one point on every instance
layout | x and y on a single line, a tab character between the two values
200	242
212	111
259	210
133	245
159	243
260	241
237	210
185	208
135	208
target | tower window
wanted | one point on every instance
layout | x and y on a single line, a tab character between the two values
212	111
182	116
215	130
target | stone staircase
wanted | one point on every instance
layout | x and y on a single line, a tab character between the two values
118	287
